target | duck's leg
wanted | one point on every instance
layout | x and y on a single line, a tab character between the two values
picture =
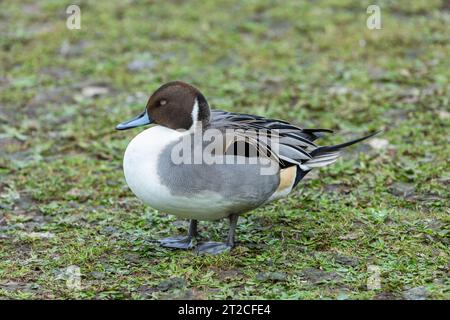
219	247
182	242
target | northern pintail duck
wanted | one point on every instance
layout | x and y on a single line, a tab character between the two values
246	160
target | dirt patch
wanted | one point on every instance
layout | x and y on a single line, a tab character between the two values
385	296
417	293
350	261
272	276
317	276
402	189
172	283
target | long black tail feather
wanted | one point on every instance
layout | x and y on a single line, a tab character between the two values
326	149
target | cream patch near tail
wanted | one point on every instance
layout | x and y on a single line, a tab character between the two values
287	180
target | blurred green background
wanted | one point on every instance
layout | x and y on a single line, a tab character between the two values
64	201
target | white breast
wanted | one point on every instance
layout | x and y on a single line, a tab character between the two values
140	167
140	164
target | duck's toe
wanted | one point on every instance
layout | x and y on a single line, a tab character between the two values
212	248
180	242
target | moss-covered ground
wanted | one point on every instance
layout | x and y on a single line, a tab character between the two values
383	207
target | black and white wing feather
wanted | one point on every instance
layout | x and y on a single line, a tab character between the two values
289	144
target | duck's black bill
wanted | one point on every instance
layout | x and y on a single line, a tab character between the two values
140	120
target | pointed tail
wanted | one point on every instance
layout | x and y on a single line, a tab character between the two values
326	155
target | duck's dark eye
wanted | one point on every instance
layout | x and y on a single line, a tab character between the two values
162	102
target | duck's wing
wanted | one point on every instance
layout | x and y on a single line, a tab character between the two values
290	145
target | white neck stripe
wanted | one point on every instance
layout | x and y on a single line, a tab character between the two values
194	115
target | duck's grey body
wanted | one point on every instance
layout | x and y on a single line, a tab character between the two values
193	191
236	187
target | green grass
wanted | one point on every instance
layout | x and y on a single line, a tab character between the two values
64	201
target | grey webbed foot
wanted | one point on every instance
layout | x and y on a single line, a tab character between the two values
219	247
213	248
181	242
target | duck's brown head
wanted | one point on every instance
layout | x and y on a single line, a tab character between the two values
176	105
